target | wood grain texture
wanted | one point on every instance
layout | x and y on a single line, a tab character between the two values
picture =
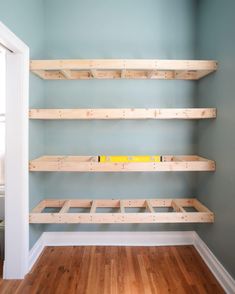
80	69
91	164
123	113
123	64
117	270
175	211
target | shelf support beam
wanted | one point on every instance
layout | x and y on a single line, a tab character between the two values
201	214
149	206
118	68
93	207
150	74
93	73
123	74
122	206
124	113
66	73
177	207
65	207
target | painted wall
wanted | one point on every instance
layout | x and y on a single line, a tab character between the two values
26	19
119	29
216	39
130	29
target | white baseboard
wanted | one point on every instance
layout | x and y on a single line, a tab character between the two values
221	274
117	238
135	239
35	251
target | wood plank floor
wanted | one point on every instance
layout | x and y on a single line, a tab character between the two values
117	270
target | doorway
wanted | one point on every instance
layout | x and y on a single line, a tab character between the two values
15	117
2	152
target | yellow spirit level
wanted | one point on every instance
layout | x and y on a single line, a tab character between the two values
133	158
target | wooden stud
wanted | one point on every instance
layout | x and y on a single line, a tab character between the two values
150	74
93	73
40	207
115	203
119	64
199	206
149	206
115	74
120	68
66	73
180	216
177	207
65	207
134	218
91	164
123	74
40	73
123	113
202	73
181	74
93	207
122	206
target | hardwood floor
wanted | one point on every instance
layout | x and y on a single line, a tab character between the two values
117	270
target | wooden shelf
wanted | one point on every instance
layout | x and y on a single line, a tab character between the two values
124	113
176	211
80	69
92	164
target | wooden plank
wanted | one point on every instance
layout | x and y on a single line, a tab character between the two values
61	158
115	74
93	73
203	73
50	75
91	164
119	64
149	206
179	158
150	74
65	207
115	203
177	207
181	74
66	73
123	74
83	203
182	158
124	113
180	216
121	68
93	207
40	207
122	206
200	207
165	158
163	217
40	73
183	202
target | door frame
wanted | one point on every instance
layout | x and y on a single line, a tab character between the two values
16	159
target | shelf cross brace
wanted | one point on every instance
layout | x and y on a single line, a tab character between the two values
93	207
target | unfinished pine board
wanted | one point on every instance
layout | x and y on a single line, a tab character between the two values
79	69
92	164
123	113
176	211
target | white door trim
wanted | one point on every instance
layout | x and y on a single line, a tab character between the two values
16	166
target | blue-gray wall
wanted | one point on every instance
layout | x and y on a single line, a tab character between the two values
119	29
130	29
26	19
216	39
